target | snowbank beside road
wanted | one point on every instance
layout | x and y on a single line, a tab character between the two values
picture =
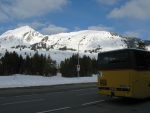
28	80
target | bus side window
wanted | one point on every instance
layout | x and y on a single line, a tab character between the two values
140	60
148	60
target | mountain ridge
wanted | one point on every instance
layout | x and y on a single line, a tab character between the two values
90	42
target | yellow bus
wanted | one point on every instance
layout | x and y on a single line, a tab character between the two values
124	73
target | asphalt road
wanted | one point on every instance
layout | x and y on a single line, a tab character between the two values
85	100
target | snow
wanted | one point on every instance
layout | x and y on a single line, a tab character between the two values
24	35
91	40
148	48
30	80
18	31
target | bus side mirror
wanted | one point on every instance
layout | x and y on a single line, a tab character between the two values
100	74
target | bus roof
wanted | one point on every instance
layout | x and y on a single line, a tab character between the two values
125	50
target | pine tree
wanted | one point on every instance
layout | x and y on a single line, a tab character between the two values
88	66
11	63
141	45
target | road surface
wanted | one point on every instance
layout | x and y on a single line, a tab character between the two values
85	100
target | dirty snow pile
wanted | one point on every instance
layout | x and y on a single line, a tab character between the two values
28	80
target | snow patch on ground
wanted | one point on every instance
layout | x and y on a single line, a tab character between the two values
148	48
30	80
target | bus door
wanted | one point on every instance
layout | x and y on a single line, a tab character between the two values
142	77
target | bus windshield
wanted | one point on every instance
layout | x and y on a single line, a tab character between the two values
113	60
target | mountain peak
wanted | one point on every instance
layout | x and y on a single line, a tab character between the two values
18	31
23	34
26	27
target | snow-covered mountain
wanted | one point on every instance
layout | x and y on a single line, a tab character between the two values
25	40
88	41
21	36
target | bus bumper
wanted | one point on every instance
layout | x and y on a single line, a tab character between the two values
118	92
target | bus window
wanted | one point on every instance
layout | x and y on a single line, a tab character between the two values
113	60
148	60
142	60
117	58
